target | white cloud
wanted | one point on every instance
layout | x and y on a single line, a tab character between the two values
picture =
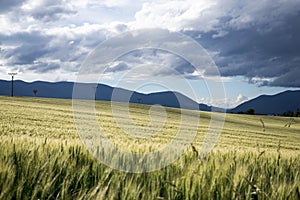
227	103
108	3
177	15
241	98
117	3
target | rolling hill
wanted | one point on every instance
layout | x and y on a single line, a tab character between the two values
104	92
264	104
271	104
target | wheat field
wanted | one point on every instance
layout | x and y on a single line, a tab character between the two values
43	157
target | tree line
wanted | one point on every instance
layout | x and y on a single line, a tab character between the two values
290	113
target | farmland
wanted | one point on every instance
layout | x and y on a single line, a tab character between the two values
42	156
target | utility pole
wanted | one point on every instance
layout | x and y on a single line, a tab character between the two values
12	74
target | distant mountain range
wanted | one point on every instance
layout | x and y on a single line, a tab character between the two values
271	104
104	92
264	104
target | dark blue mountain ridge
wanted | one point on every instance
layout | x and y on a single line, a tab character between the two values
264	104
104	92
272	104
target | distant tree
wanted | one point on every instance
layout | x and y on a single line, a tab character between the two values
35	92
297	113
250	111
290	113
287	113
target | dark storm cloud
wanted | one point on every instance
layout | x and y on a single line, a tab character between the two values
7	5
26	54
44	67
44	11
289	79
32	52
262	51
170	64
29	50
51	11
29	47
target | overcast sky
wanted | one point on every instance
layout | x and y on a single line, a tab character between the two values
255	44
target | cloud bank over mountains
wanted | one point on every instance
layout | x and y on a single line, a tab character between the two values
258	40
